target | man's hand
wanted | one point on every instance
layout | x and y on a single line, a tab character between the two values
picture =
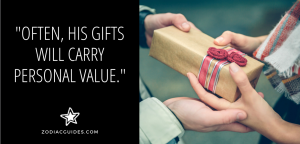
157	21
260	116
197	116
241	42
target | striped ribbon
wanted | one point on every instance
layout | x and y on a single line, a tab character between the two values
214	76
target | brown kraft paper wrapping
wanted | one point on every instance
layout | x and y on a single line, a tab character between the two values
184	52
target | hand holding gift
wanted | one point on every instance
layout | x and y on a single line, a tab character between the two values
241	42
191	113
196	52
157	21
261	117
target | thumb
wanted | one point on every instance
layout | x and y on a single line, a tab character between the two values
226	116
177	20
240	78
229	37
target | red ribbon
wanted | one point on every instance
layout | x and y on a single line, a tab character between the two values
213	76
206	65
204	69
237	58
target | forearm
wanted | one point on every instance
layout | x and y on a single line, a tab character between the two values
261	39
256	42
246	44
290	133
284	132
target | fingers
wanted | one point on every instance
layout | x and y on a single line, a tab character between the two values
177	20
230	37
206	97
241	79
169	101
224	117
261	94
235	127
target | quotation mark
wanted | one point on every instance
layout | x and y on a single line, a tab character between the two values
17	29
122	71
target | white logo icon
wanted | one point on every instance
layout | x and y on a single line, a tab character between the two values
70	117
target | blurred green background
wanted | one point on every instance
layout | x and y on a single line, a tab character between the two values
251	18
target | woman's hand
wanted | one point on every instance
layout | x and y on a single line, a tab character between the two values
260	116
241	42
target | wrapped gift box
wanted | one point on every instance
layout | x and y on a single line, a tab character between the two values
184	52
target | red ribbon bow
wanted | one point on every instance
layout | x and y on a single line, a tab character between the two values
217	53
221	54
238	59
